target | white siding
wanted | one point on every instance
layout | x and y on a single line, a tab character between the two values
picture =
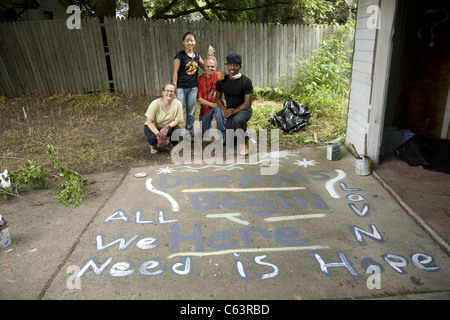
371	62
361	87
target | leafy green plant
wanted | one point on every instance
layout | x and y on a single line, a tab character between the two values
262	93
69	183
322	80
31	176
326	69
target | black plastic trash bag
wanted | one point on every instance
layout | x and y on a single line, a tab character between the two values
430	153
292	117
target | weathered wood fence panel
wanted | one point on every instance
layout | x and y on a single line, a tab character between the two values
45	57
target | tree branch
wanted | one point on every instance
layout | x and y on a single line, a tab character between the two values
212	5
202	11
161	12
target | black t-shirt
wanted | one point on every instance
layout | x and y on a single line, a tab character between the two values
187	74
235	90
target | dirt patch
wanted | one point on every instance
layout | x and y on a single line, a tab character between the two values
104	134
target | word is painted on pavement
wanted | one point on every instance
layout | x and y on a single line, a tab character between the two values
281	198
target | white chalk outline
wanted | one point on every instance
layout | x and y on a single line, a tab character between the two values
242	189
173	202
329	185
297	217
215	253
230	216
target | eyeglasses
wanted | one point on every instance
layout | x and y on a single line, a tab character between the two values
171	91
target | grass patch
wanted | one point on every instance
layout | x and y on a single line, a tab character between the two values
323	126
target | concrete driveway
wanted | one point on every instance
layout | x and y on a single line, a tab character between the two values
311	229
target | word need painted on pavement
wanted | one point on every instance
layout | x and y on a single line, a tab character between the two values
261	216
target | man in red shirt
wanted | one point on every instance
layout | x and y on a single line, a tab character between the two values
206	84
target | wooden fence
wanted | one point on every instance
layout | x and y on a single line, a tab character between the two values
45	57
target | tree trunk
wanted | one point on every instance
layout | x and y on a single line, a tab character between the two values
136	9
104	8
261	12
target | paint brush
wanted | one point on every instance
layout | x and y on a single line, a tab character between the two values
356	154
365	144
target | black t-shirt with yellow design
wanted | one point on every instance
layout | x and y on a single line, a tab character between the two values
188	72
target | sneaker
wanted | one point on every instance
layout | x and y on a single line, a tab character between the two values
243	150
153	149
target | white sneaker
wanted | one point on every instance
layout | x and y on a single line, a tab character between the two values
153	149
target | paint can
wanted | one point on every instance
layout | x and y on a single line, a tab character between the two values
333	150
362	166
4	238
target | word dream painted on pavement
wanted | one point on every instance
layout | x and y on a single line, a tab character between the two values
256	205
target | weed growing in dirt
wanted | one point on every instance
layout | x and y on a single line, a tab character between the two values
69	183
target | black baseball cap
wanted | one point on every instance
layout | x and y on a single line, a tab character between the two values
234	58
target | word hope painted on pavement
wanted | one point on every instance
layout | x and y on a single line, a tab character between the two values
259	216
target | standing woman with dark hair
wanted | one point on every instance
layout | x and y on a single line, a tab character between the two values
185	72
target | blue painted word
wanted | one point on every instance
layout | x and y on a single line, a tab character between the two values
206	201
172	181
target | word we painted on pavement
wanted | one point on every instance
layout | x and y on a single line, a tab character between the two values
278	199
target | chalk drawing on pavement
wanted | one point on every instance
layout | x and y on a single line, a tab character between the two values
165	170
261	216
173	202
266	160
305	163
230	216
329	185
253	250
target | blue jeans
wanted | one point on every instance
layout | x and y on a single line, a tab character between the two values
207	119
188	96
239	121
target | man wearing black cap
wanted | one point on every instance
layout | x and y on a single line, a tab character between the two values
238	90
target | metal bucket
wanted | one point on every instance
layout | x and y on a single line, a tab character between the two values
362	166
333	151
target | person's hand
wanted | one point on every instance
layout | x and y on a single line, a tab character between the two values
221	76
159	140
164	131
211	50
228	113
